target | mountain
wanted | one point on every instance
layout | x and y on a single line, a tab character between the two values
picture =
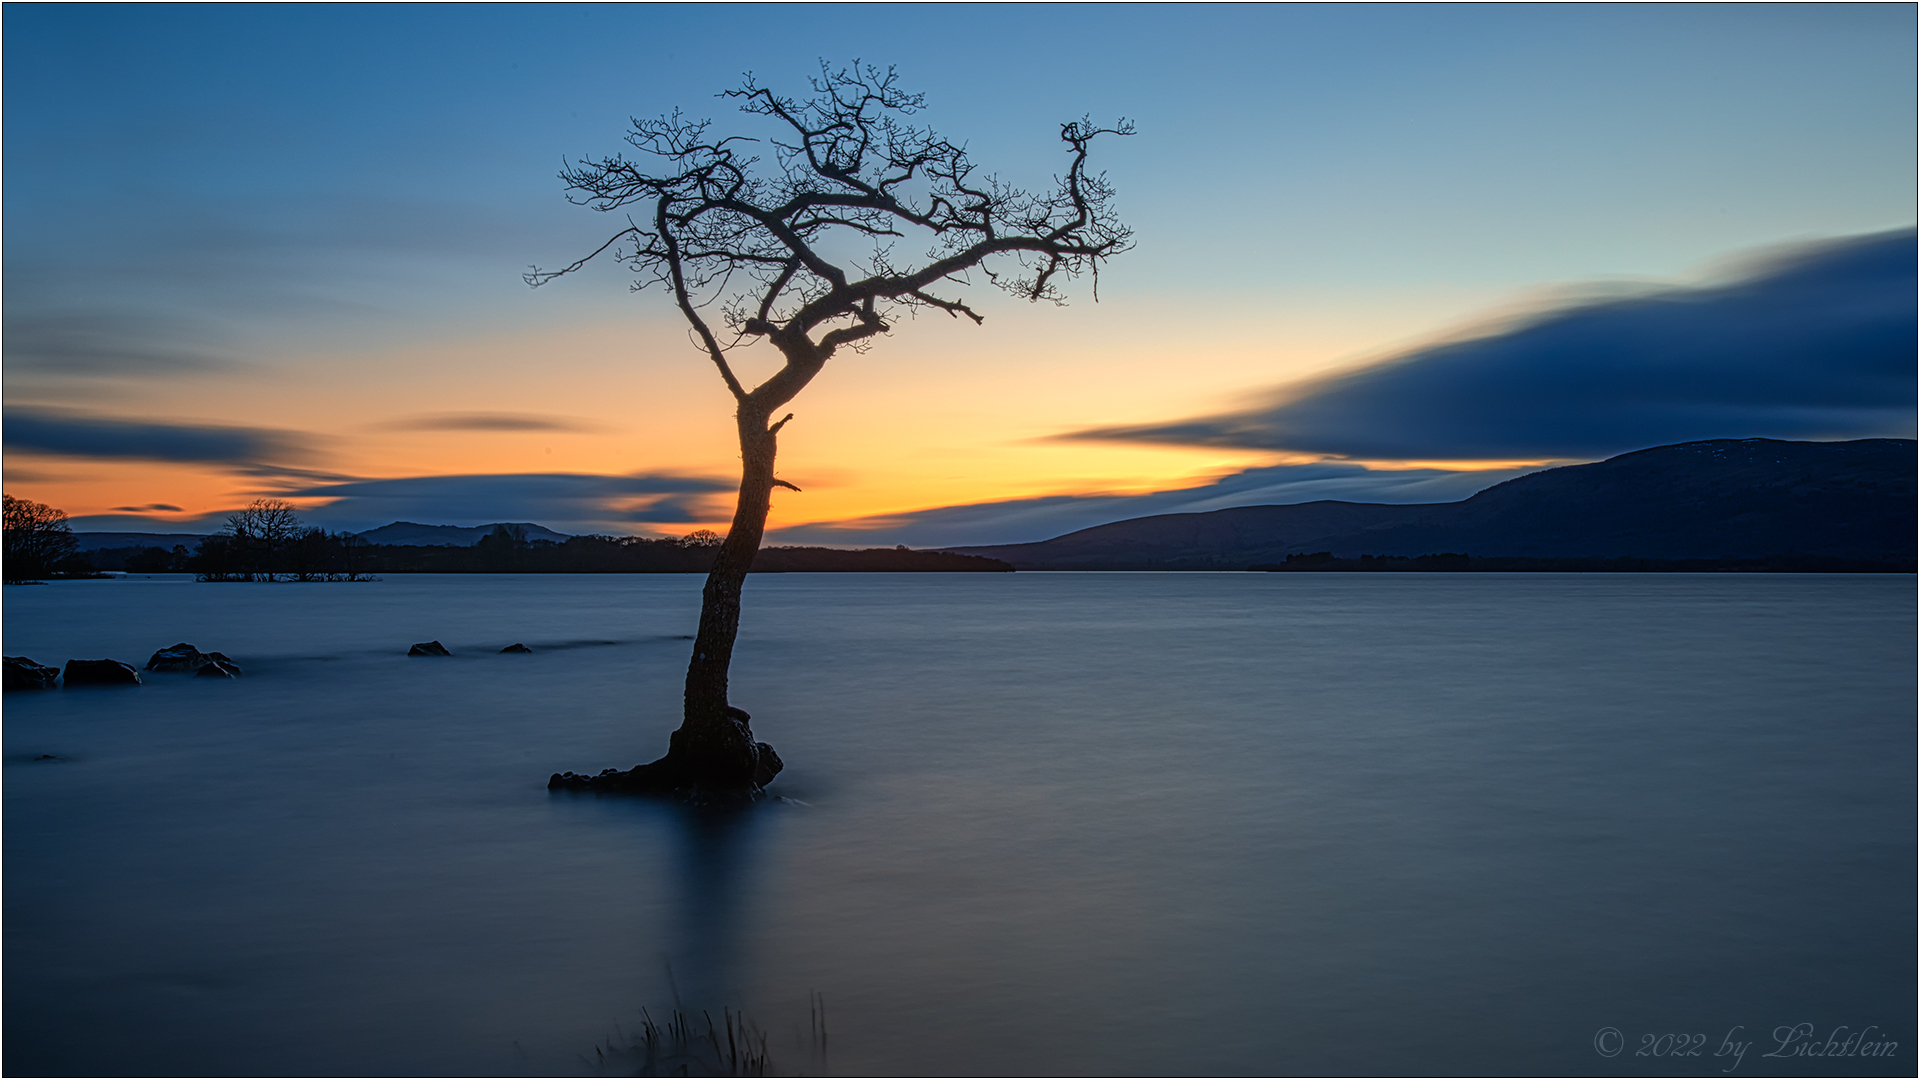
1722	499
407	532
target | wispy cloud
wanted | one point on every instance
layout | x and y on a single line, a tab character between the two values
195	285
1021	520
1819	344
568	502
116	342
150	508
488	421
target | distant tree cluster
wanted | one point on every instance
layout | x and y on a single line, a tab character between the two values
502	552
39	542
139	559
268	542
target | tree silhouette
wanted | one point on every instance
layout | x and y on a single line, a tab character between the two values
260	535
814	240
37	538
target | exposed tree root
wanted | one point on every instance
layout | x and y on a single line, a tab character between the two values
717	760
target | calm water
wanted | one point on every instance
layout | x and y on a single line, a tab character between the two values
1031	824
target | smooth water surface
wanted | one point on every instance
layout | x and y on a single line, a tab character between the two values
1030	824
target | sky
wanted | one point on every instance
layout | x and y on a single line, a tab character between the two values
1384	253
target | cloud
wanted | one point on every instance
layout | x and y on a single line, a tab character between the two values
1817	345
77	434
488	421
150	508
108	343
567	502
1023	520
679	511
190	286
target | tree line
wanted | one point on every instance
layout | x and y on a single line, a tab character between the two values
267	541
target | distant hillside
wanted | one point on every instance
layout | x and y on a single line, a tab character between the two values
1723	499
417	535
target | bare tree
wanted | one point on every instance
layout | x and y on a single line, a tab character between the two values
260	534
812	241
37	538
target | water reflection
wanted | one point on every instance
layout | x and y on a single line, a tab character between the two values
715	876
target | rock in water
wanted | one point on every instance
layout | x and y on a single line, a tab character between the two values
214	669
516	647
428	648
100	673
225	662
181	657
24	674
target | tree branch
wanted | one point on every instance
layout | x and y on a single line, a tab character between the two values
680	296
851	182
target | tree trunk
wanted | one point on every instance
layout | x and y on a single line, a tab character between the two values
714	734
714	752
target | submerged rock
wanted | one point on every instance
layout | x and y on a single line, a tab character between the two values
516	647
181	657
428	648
24	674
100	673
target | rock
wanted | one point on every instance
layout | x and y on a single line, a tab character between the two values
428	648
181	657
24	674
516	647
100	673
214	669
184	658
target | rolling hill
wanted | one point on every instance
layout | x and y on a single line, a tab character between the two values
1721	499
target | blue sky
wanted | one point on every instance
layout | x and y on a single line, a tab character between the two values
306	225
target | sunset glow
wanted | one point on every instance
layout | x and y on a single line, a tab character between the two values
319	272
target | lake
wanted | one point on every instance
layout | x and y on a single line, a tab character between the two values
1030	824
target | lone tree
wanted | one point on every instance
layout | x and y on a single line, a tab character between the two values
812	241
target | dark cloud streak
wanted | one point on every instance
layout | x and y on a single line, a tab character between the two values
76	434
569	502
488	421
1819	345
